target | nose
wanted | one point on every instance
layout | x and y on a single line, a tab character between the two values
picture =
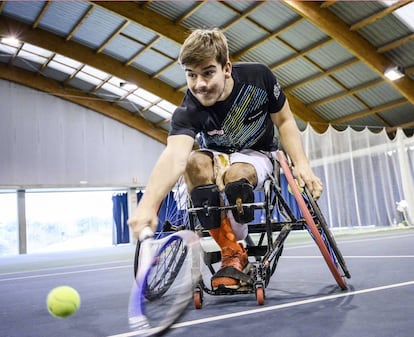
201	83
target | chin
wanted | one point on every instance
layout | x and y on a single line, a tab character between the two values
207	102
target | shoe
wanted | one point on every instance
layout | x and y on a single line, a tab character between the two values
233	262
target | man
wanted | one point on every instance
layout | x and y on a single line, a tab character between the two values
232	110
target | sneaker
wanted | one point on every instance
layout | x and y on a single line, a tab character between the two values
236	259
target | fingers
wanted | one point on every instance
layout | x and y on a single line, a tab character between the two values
317	189
142	226
313	183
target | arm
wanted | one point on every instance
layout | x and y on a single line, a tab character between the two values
169	167
292	143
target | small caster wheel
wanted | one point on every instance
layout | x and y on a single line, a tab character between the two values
198	299
260	296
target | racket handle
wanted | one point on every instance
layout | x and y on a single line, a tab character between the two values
146	233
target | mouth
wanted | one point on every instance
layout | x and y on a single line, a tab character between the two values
203	93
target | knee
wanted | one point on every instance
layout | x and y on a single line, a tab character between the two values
239	171
199	170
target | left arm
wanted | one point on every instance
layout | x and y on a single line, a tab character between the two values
292	143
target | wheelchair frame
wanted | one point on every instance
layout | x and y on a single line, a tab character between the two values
269	248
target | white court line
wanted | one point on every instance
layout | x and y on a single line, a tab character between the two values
351	257
65	267
276	307
61	273
342	241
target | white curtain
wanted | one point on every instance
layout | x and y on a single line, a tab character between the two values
366	176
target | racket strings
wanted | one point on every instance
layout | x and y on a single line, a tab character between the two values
165	269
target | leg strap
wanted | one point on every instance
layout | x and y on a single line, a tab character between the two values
206	196
240	192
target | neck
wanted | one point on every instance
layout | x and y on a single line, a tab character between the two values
228	87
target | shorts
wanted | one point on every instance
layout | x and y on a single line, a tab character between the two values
261	161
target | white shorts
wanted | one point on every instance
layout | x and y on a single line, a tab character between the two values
260	160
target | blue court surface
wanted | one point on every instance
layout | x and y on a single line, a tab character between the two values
302	298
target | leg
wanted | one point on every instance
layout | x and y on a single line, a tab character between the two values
234	256
202	184
240	180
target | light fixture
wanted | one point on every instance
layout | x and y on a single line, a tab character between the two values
394	73
10	40
128	86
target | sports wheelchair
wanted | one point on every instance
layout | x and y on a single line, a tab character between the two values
269	237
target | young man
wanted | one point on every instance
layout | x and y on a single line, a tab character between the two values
232	109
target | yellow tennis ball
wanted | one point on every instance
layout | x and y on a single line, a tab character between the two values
63	301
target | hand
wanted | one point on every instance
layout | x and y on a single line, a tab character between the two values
305	176
141	218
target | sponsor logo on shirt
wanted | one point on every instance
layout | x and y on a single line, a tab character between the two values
276	90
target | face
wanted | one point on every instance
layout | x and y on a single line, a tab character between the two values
209	82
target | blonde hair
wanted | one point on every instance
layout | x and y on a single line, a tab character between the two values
202	45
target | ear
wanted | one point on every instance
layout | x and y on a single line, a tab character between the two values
227	70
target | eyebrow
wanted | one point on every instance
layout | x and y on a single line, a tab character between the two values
204	69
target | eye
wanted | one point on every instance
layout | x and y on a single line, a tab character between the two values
209	73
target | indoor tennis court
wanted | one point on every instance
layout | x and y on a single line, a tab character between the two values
301	299
88	90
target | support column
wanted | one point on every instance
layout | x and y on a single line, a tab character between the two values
21	214
132	205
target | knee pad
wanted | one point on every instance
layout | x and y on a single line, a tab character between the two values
205	196
242	190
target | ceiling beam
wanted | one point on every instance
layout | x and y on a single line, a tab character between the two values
396	43
41	83
355	43
378	15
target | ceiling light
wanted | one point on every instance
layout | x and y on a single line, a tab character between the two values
394	73
128	86
11	40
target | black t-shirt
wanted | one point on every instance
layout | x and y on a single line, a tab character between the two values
242	121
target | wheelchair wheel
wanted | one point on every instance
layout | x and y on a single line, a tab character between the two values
161	277
327	235
198	298
172	217
260	295
329	255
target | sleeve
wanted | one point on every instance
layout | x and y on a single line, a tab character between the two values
277	97
182	121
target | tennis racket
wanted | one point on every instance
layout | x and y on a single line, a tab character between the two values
167	274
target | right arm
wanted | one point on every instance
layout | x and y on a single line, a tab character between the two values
169	167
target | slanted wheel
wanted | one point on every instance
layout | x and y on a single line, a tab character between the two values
198	299
260	295
327	235
330	255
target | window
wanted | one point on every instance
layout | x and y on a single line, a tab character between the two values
68	220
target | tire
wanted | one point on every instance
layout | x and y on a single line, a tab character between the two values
260	295
198	299
331	260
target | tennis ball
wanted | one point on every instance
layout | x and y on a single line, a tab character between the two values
63	301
